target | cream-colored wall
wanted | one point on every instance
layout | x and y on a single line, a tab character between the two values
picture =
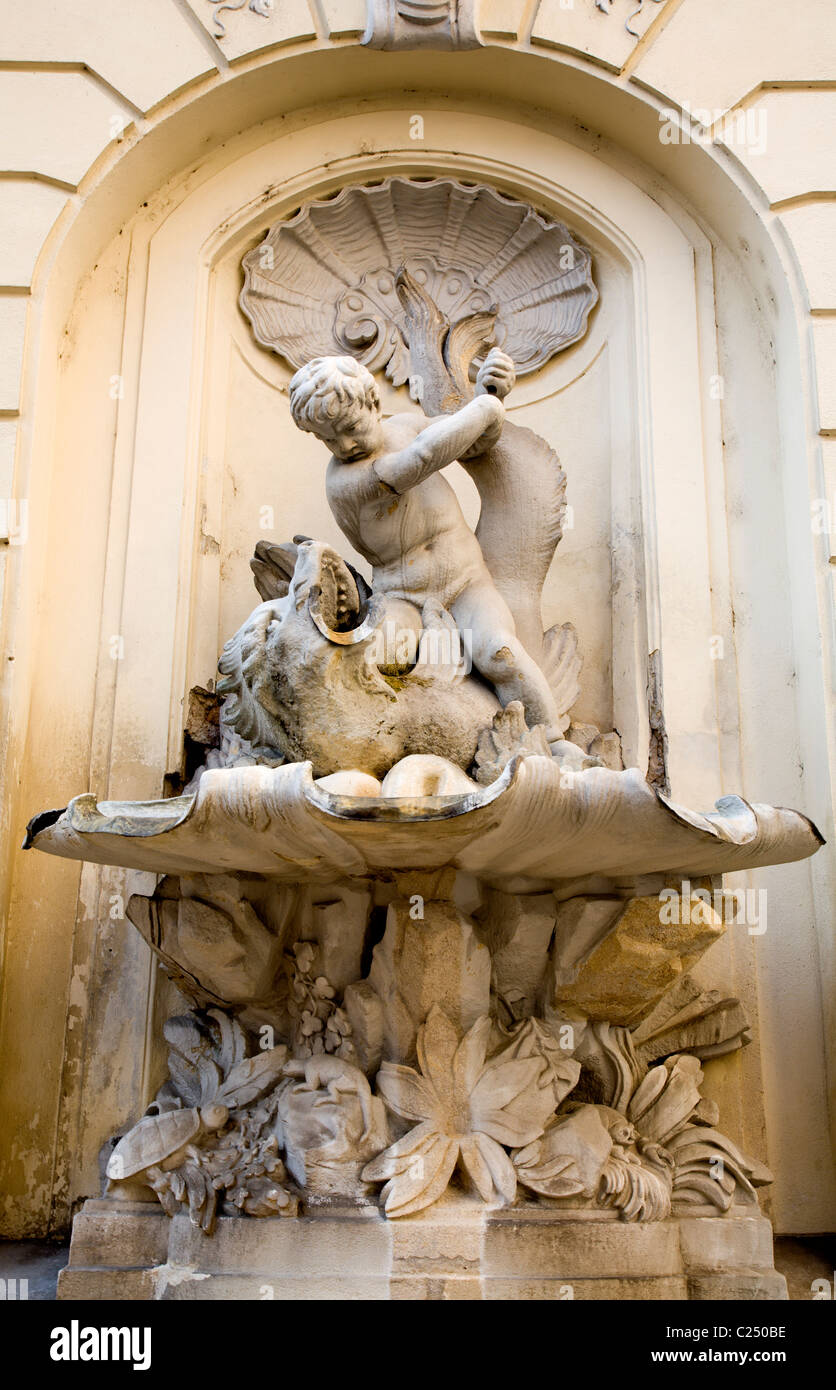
103	112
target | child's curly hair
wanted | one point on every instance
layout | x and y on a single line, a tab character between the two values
327	387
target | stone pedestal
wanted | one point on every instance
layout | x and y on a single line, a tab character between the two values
132	1251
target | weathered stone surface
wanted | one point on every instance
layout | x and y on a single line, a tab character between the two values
433	957
537	824
330	1126
581	924
242	30
453	1251
444	24
518	932
335	677
339	929
707	1026
208	932
713	1244
741	1285
364	1009
290	296
636	962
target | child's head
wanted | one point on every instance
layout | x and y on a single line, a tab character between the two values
336	398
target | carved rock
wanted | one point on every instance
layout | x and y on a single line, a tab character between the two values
338	926
330	1124
637	961
212	938
429	955
365	1014
518	932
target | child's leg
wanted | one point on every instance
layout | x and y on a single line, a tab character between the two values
484	619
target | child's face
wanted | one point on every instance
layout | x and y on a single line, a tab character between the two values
353	436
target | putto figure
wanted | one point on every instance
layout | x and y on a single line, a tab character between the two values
385	488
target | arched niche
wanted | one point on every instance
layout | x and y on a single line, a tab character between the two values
141	447
638	404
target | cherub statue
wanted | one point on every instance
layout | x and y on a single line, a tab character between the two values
385	488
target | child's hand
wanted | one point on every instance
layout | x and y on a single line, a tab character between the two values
496	375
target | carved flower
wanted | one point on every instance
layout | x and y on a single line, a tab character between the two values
667	1107
664	1149
466	1108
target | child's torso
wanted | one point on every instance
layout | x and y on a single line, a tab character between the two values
418	542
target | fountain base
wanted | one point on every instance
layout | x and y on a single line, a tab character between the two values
455	1250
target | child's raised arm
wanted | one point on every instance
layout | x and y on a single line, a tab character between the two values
440	443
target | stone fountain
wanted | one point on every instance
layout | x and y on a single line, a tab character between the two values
440	1037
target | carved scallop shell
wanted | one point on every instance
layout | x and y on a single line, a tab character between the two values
323	282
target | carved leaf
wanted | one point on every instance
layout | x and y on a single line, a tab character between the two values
504	1081
556	1177
151	1141
469	1059
647	1092
490	1168
418	1168
437	1043
695	1185
534	1039
695	1150
210	1079
676	1101
185	1078
252	1077
406	1093
512	1100
233	1040
510	1129
705	1025
508	737
562	665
